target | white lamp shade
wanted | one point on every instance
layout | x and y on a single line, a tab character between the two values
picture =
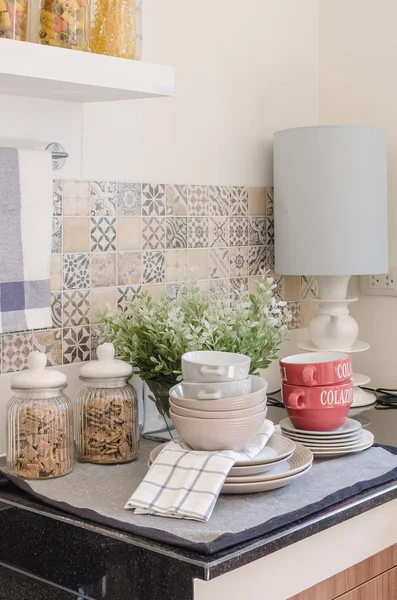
330	201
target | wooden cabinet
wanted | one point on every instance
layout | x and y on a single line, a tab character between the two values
372	579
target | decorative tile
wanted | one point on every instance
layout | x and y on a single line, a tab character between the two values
50	343
56	309
270	230
176	232
175	290
57	186
76	234
153	199
308	287
76	200
97	338
153	233
238	256
76	344
128	268
103	198
292	287
279	291
239	231
176	199
219	263
220	289
153	266
76	271
176	265
238	201
219	231
270	258
198	263
308	311
257	201
256	259
294	308
257	231
103	269
76	308
125	295
16	348
103	234
156	290
56	235
56	271
129	199
219	200
238	287
269	201
197	232
197	200
129	233
102	299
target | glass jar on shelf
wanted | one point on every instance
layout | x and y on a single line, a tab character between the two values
117	28
40	442
107	428
64	23
13	19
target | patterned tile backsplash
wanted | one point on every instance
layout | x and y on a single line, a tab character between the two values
112	239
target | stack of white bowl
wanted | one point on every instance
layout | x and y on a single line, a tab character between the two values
218	405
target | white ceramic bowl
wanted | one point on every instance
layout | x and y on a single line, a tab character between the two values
256	397
218	434
213	367
218	414
216	391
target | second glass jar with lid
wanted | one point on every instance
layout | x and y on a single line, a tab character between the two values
107	428
117	28
64	23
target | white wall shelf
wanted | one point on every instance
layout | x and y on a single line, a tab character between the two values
40	71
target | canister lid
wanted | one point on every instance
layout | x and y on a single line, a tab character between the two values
106	366
37	376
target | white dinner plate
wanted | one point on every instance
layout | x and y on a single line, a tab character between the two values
349	426
367	442
299	461
332	444
303	439
277	450
357	347
262	486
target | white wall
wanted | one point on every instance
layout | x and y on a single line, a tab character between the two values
244	70
358	86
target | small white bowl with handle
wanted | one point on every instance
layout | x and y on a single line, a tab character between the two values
216	391
205	366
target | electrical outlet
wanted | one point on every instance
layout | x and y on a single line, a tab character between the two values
380	285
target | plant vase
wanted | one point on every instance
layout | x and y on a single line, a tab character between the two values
157	426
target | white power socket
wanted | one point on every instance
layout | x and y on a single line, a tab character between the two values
380	285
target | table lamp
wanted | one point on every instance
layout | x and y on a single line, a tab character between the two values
330	211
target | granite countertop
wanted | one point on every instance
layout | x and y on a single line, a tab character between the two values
50	548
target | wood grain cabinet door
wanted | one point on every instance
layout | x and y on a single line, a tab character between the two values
383	587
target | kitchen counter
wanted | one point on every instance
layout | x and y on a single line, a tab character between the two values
69	557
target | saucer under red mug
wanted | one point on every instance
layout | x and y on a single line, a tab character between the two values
316	368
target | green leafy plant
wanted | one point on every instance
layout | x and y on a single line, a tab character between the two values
153	334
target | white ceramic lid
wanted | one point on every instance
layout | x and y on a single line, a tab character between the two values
106	367
37	376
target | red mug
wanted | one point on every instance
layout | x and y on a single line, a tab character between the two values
317	368
322	408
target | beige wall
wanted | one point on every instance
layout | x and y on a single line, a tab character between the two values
358	86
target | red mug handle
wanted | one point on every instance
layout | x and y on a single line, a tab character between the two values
296	399
307	375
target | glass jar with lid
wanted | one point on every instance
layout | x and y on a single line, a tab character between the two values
40	441
13	19
117	28
107	428
64	23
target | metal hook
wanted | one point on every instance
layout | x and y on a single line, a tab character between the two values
59	155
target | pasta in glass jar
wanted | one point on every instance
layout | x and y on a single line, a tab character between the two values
116	28
13	19
65	23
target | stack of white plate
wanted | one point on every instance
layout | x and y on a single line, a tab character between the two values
348	439
281	462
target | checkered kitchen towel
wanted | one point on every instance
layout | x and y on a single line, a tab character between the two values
185	484
25	239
